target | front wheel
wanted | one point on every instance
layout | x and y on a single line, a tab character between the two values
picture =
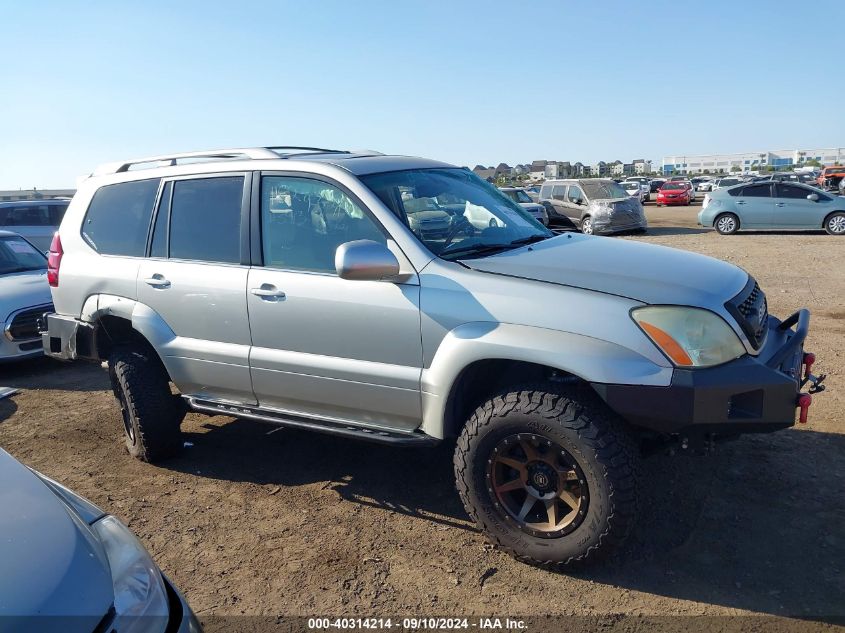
587	225
835	224
550	476
727	224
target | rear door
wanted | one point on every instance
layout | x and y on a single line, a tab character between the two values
194	281
792	209
557	198
755	206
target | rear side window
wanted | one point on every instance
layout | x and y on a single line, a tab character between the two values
545	192
558	192
118	218
205	219
757	191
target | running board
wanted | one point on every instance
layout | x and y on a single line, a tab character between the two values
331	427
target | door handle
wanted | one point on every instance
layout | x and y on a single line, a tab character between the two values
157	281
779	204
267	292
740	201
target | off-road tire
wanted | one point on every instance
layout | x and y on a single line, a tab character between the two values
142	389
833	222
576	420
722	230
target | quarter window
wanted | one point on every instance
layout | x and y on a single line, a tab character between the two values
118	218
303	221
205	219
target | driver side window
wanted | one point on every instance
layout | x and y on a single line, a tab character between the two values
575	196
303	221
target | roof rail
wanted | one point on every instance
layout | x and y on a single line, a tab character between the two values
253	153
314	150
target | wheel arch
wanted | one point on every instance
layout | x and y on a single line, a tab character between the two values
830	215
477	359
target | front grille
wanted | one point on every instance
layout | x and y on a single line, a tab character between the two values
751	311
24	325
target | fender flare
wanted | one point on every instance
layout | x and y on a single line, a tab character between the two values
590	359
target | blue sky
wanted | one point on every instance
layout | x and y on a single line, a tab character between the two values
466	82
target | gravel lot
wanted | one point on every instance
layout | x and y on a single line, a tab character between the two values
261	521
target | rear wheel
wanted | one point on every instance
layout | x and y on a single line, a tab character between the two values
550	476
835	223
727	224
151	414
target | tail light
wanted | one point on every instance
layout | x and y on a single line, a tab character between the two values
54	260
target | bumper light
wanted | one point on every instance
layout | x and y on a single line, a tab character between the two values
140	599
689	337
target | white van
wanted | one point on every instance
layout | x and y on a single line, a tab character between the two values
36	220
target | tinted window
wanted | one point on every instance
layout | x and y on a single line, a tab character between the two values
205	219
756	191
57	213
17	255
304	221
159	246
118	218
575	195
792	191
558	192
26	215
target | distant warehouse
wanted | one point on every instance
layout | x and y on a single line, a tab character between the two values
751	161
35	194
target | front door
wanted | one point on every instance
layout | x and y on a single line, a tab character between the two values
756	206
575	204
194	286
323	346
793	210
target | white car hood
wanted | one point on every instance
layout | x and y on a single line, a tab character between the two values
23	290
644	272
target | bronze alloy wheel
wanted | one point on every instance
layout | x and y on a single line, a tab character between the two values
537	485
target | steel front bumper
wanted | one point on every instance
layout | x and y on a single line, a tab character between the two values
66	338
747	395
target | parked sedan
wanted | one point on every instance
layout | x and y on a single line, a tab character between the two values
674	193
644	184
635	190
24	297
69	567
726	182
773	205
521	197
655	184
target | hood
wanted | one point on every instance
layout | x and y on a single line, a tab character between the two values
52	562
672	192
644	272
23	290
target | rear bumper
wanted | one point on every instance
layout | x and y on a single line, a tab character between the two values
747	395
66	338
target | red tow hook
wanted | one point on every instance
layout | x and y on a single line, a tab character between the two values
804	402
809	359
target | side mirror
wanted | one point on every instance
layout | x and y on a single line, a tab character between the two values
813	197
365	260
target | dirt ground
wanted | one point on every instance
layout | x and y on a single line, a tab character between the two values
257	520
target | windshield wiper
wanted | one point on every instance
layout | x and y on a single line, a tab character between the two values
530	239
475	249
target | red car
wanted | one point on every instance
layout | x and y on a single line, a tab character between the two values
673	193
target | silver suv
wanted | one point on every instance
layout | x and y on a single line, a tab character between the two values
290	285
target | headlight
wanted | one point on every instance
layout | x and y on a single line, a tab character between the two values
140	599
690	337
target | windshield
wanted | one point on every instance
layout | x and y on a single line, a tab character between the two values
631	186
672	186
603	190
17	255
454	213
517	195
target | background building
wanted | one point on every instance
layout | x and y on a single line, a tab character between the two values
750	161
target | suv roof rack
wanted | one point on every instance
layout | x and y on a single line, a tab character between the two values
173	159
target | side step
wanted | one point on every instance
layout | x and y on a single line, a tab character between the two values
331	427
